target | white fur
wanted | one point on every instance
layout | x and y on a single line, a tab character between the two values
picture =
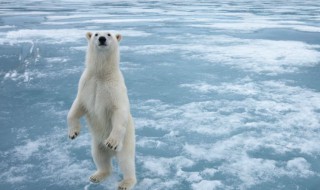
102	98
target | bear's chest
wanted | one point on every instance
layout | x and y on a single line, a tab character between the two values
98	97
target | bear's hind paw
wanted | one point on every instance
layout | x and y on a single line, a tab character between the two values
126	184
98	177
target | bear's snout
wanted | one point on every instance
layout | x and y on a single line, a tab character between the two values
102	40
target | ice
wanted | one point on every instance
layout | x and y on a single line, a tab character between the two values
254	25
224	95
58	36
207	185
106	21
56	60
301	166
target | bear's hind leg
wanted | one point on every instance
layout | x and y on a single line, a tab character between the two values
127	165
102	159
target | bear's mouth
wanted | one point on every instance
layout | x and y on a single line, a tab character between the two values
102	44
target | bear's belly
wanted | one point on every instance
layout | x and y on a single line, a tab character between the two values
97	101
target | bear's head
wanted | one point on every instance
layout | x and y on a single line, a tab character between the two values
103	41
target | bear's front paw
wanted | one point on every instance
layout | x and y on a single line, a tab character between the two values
113	143
73	133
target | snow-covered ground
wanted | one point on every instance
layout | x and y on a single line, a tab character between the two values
225	94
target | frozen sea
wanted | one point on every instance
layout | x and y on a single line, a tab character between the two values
225	94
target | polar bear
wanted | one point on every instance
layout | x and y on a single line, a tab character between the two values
102	98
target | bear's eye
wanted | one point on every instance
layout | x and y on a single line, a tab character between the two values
96	34
109	34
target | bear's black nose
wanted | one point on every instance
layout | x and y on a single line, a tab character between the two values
102	39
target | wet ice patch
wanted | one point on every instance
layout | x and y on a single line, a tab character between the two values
55	36
157	183
56	60
160	166
7	26
130	67
150	143
22	77
152	49
243	89
26	151
75	16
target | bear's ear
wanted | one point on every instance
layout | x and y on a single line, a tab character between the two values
88	35
119	37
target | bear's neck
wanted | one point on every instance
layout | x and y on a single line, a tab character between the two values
104	67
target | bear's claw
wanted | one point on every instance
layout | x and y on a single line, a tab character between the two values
113	144
93	180
127	184
74	135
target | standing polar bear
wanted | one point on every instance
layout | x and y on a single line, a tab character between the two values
102	98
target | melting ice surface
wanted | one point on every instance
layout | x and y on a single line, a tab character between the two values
225	94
